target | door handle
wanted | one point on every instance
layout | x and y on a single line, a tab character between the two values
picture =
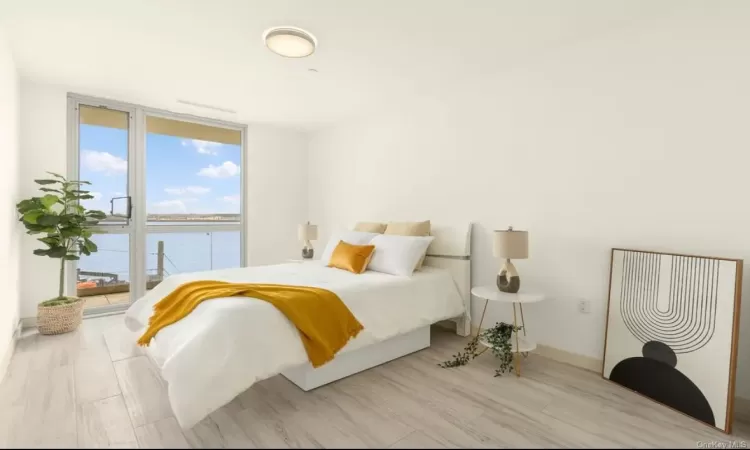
129	209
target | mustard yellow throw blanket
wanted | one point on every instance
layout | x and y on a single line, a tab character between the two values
324	322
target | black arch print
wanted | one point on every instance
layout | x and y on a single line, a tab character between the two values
689	320
669	304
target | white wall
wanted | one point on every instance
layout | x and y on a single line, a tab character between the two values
277	193
43	148
276	171
637	139
9	228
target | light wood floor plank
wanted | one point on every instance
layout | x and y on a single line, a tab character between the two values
534	430
121	343
144	391
165	433
444	397
354	415
57	393
417	439
49	352
286	416
13	386
472	382
435	418
49	414
11	431
95	378
105	424
220	430
275	432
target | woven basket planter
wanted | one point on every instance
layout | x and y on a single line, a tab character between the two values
59	319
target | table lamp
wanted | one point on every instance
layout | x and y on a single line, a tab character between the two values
307	233
510	244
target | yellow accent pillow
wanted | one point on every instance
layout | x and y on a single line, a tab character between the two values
353	258
410	229
370	227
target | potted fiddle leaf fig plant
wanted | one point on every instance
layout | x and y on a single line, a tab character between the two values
65	229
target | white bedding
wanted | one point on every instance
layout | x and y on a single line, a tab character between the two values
226	345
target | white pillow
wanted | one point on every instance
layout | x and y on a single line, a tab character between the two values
398	255
350	237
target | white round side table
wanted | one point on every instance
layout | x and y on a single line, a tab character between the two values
519	344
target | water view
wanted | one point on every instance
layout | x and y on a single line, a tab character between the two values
104	277
183	252
191	177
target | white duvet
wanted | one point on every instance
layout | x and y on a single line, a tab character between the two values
226	345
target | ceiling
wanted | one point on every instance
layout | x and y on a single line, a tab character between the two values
371	55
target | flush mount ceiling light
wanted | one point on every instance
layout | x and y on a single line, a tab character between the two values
290	42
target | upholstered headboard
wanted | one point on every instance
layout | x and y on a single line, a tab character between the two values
451	250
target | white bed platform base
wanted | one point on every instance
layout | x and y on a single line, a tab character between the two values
451	250
349	363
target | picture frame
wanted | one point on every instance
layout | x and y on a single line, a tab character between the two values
672	330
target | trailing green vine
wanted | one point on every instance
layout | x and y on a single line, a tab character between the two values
498	337
461	359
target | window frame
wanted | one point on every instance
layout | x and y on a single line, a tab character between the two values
137	227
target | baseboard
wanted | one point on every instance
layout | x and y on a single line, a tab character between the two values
28	322
5	361
574	359
563	356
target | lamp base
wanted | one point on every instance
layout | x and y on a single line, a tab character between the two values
508	279
308	251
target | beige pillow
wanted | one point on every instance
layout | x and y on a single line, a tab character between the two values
410	229
370	227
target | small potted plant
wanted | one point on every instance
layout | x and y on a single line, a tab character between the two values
498	337
65	226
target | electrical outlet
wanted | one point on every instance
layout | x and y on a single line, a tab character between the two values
584	306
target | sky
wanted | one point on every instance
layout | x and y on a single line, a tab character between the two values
182	175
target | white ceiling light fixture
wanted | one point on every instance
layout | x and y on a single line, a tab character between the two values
290	42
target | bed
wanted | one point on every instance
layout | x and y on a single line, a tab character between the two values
225	345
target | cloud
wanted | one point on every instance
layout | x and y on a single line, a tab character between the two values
232	199
226	170
93	203
103	162
195	190
178	205
118	194
203	147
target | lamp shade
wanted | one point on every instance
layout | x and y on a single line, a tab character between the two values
307	232
511	244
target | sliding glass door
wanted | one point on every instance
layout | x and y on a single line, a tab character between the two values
103	154
193	197
172	188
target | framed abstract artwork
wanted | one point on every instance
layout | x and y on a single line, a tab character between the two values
672	330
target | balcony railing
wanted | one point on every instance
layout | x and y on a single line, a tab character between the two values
92	283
